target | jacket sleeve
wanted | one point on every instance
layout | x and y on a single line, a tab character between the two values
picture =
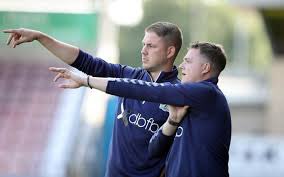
160	144
98	67
192	94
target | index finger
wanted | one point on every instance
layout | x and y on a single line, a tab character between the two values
9	39
10	31
60	70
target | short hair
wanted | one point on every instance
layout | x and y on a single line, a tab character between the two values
168	31
214	53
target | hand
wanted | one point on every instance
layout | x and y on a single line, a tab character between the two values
21	35
177	113
74	80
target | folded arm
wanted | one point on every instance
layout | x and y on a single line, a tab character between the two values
162	140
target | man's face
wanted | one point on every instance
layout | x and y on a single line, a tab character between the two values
154	52
192	67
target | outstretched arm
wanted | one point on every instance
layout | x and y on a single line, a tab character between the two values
69	54
66	52
139	90
192	94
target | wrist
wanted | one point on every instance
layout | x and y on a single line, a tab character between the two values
38	35
169	129
88	84
173	122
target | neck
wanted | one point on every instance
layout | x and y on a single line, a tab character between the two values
156	74
208	76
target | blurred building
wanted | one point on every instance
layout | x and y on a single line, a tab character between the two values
261	154
272	12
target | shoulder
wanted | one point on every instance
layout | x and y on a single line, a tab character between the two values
200	89
204	85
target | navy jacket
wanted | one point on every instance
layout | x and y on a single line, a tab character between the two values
200	147
135	123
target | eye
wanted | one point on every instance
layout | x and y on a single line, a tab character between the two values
149	45
186	60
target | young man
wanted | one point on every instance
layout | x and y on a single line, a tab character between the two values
198	145
136	121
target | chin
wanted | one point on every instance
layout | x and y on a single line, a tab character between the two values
148	68
185	80
145	67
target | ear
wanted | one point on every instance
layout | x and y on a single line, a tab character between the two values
171	51
206	68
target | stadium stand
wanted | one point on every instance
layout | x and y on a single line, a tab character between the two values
27	103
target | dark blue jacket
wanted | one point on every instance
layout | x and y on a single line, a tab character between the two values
135	123
200	147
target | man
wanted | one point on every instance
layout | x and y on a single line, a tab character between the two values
198	145
136	121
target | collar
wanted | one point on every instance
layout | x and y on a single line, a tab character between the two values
168	76
213	80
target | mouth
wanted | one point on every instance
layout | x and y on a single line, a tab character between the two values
144	60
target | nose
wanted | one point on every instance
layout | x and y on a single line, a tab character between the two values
181	65
143	50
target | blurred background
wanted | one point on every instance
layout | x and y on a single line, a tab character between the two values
50	132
